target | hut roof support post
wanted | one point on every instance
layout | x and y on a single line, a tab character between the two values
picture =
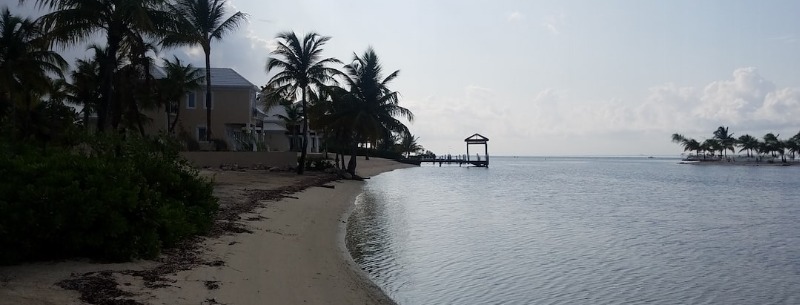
479	139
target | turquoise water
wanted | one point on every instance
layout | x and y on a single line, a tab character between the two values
582	231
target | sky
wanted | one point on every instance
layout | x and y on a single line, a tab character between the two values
546	78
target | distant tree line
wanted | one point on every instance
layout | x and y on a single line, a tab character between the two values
723	141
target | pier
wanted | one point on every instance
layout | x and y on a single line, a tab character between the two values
467	159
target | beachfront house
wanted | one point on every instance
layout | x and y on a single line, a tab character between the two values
237	121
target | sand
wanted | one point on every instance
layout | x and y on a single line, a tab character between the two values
294	253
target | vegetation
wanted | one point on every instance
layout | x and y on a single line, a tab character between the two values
72	188
71	185
302	72
180	79
717	147
353	107
199	22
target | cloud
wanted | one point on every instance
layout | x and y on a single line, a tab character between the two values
515	17
241	50
735	100
554	23
747	103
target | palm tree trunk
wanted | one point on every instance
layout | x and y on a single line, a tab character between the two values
302	165
351	165
171	129
85	119
207	50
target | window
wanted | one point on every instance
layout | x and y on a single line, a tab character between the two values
201	133
191	101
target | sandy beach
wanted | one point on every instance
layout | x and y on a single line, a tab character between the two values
289	251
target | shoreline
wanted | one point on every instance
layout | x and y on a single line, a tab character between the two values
286	251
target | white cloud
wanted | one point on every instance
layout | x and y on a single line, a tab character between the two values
780	107
242	50
747	103
515	17
554	23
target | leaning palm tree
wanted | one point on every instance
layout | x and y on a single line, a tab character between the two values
199	22
73	21
301	71
687	143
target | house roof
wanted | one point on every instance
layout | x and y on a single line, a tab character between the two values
220	77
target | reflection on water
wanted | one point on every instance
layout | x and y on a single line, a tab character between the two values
582	231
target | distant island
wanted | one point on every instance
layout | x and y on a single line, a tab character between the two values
769	149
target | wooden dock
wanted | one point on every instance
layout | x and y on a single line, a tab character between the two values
448	159
460	162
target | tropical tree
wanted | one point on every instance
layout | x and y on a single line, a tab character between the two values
292	120
726	140
369	108
26	63
181	78
301	71
712	146
199	22
409	145
748	143
792	145
73	21
139	77
687	143
772	145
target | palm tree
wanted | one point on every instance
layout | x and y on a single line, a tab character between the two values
199	22
712	146
369	107
773	146
181	78
726	141
292	120
747	143
687	143
409	145
792	145
301	71
25	61
73	21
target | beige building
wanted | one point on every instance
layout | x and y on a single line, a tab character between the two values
236	117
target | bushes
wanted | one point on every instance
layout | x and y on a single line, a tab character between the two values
317	164
112	200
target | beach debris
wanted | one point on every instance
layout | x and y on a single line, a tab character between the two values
102	287
98	288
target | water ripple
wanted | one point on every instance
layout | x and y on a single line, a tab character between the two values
575	231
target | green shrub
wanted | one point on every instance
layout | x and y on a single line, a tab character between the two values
116	201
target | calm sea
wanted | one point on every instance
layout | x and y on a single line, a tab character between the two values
582	231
